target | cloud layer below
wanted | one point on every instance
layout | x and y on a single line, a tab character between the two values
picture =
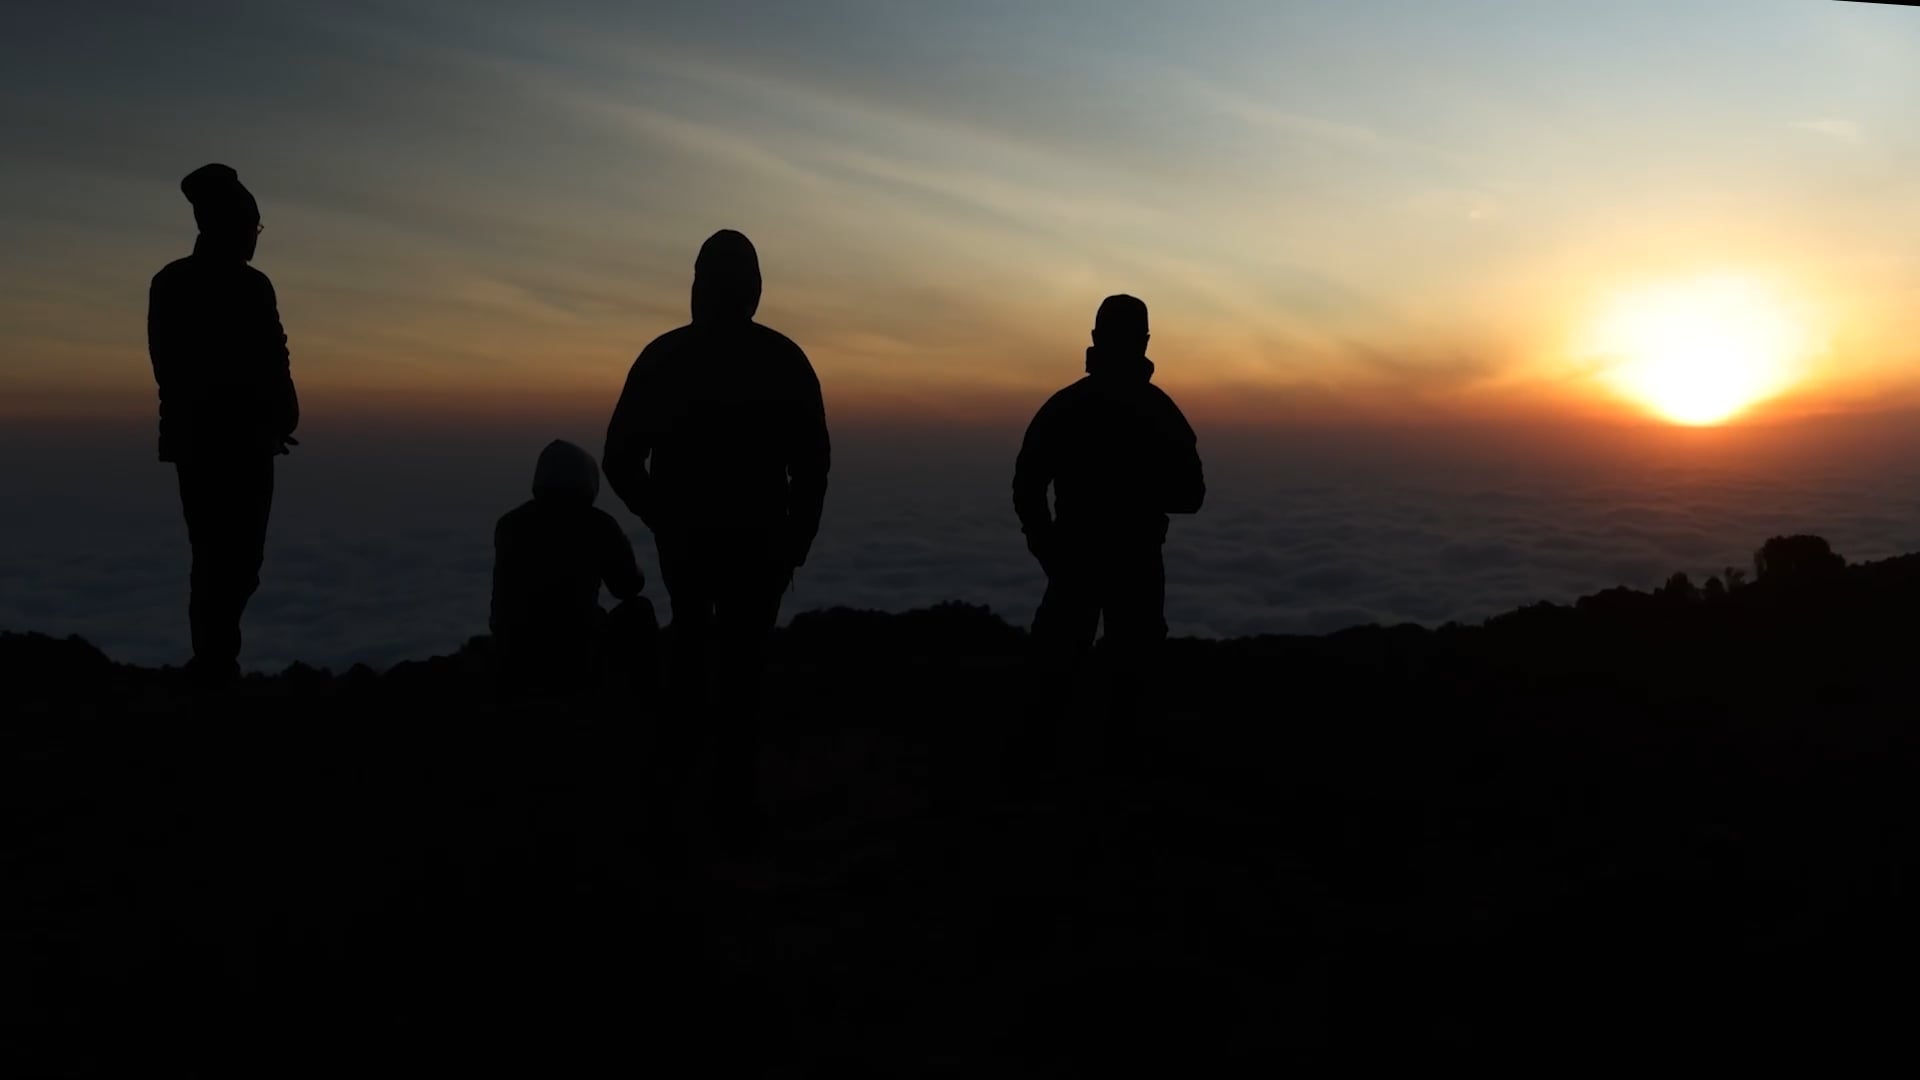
381	551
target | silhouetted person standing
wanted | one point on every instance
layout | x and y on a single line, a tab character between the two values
227	406
551	554
1120	457
719	445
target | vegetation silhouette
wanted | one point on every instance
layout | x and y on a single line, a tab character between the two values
1648	821
227	406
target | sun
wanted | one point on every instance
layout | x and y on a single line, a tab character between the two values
1700	351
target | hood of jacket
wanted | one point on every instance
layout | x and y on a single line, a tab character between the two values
565	471
726	279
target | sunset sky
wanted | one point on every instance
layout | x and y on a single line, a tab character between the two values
1339	213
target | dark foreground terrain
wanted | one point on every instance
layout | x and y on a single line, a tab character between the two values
1649	825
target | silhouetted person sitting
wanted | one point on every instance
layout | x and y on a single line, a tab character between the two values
1120	457
719	444
227	406
550	556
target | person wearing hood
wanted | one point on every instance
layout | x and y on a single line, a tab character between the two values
1120	457
227	406
551	555
719	445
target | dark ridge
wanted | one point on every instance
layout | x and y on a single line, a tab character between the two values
1669	820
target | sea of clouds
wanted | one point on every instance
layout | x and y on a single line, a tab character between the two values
380	548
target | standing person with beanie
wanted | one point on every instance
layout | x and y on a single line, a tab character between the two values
227	407
719	445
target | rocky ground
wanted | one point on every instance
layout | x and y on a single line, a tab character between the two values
1678	821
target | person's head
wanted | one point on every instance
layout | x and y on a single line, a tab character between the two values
224	209
1120	326
567	473
726	278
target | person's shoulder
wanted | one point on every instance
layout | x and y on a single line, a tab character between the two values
603	520
1061	404
776	343
1072	394
174	271
1154	393
768	334
679	335
518	514
665	347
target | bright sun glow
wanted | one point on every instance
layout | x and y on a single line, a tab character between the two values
1698	352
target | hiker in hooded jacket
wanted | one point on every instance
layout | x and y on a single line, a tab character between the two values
719	446
552	555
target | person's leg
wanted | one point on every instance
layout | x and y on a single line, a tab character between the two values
1136	631
681	731
226	504
747	608
252	508
198	510
1063	631
686	569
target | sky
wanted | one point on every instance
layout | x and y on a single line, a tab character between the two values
1441	286
1338	213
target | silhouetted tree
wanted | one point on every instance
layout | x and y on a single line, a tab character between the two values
1679	588
1714	590
1796	558
1735	577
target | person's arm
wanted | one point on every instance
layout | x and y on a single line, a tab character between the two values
809	456
1186	482
618	568
163	335
285	401
1033	472
630	441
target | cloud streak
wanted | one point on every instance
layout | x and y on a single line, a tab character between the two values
1845	131
493	200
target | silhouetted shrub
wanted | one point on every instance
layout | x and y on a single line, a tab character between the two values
1796	559
1679	588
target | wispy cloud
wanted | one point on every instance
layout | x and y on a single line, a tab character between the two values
1296	126
1846	131
456	189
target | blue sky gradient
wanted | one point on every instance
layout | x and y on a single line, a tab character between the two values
479	204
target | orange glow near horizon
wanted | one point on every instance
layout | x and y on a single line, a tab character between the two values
1702	351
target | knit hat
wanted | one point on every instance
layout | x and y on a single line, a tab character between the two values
219	198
